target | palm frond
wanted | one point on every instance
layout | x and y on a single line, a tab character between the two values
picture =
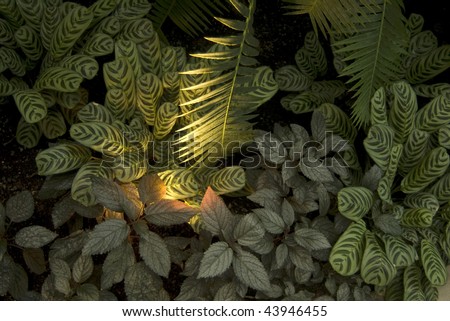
374	54
217	109
191	16
340	16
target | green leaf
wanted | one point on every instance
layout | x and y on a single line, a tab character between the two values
61	158
153	250
116	265
271	148
412	284
287	212
214	213
141	284
432	263
271	220
378	144
317	171
281	254
35	260
82	268
355	202
106	236
6	274
169	212
346	254
311	239
216	260
34	236
20	207
400	253
301	259
19	284
88	292
250	271
227	292
376	268
151	189
249	230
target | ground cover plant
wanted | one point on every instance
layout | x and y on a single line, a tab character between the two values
162	184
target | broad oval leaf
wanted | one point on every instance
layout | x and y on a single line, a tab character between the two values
376	268
61	158
34	236
216	260
20	207
272	221
215	214
82	268
155	253
106	236
311	239
346	254
355	202
250	271
169	212
433	263
151	189
249	230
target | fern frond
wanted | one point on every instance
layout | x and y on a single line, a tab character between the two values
375	54
332	15
191	16
220	114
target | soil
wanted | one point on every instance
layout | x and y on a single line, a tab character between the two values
280	36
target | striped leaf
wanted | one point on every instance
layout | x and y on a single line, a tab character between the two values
304	63
100	137
444	136
101	9
338	122
165	119
61	158
118	74
289	78
385	184
50	21
316	53
109	26
169	59
149	91
11	12
414	24
403	110
99	44
412	284
226	180
86	66
304	102
69	30
413	150
394	291
422	43
81	190
355	202
417	217
6	88
68	100
400	253
116	102
378	144
180	183
53	125
376	268
150	55
31	105
131	165
431	292
171	87
128	50
432	90
32	12
94	112
58	79
428	66
27	134
432	263
434	114
441	189
346	254
132	9
29	41
431	167
12	61
7	38
422	200
137	30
